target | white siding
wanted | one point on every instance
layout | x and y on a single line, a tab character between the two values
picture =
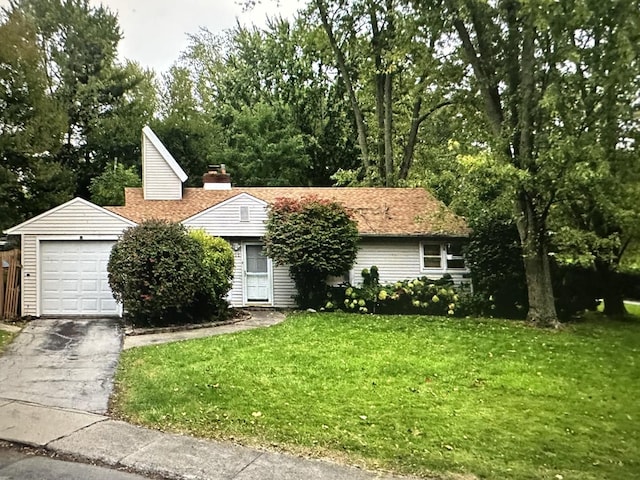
224	220
29	271
283	288
159	180
76	218
396	259
235	297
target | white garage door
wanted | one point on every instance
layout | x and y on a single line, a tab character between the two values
73	278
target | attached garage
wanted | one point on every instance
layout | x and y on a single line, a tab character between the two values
73	278
65	252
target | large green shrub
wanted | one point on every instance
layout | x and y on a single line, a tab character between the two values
156	271
494	256
316	238
218	260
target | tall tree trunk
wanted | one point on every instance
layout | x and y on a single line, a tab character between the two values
388	131
379	79
346	77
412	140
380	141
611	290
542	309
388	97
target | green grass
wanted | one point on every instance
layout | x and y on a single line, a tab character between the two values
5	338
419	395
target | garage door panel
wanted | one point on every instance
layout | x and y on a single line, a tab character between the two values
74	278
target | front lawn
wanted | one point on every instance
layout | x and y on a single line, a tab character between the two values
419	395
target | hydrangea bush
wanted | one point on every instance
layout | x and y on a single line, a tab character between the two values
416	296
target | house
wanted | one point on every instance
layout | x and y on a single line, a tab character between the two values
406	232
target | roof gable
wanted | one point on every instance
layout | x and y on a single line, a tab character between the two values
162	150
242	197
77	204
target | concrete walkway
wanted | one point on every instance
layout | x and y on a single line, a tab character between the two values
97	438
259	319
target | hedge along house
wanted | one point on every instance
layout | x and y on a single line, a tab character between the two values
405	232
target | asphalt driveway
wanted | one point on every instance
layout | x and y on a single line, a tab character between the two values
67	363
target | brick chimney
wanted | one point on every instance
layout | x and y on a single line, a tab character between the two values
217	178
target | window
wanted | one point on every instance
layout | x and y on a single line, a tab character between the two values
431	255
244	213
442	256
454	255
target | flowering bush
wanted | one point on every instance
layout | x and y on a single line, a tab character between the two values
417	296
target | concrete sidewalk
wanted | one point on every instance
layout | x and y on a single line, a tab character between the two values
96	438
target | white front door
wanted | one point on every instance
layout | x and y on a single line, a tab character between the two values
257	278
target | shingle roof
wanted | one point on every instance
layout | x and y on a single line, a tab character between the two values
378	211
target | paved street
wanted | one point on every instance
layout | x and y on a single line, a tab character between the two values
18	465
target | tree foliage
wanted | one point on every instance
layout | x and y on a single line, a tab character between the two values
316	238
108	187
528	59
31	179
67	106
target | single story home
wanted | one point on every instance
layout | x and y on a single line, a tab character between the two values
405	232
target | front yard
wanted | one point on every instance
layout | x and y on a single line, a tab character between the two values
418	395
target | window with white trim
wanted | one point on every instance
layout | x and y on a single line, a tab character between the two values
442	256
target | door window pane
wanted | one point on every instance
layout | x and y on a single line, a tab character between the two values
256	261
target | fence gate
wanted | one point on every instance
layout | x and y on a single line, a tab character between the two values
9	284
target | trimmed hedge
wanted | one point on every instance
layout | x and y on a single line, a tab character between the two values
160	274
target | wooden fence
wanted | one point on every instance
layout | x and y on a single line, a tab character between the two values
9	284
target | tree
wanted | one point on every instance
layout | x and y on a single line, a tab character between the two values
190	134
79	47
389	65
277	74
264	146
525	58
108	187
30	122
316	238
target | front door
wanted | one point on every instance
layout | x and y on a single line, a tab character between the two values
257	284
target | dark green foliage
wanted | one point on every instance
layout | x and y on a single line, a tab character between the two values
157	271
316	238
218	261
630	282
494	256
576	289
108	187
264	146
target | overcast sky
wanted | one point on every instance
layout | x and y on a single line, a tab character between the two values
155	30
